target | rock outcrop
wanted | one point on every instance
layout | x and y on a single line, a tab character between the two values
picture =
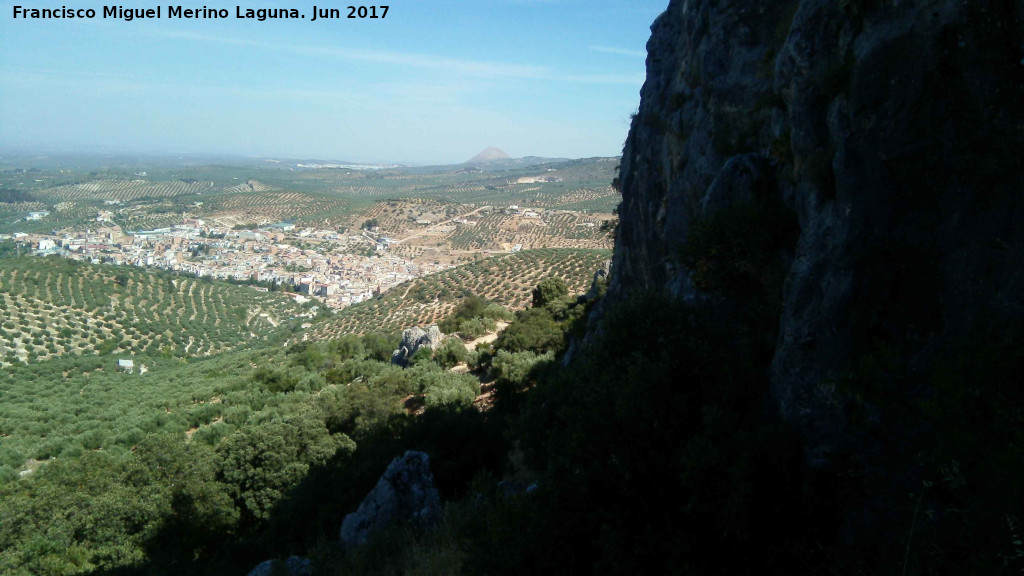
404	493
415	338
892	131
293	565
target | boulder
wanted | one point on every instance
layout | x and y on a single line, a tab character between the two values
413	339
404	493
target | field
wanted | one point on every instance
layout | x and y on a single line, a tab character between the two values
507	280
62	406
54	307
264	193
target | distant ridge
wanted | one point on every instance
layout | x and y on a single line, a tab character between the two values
490	154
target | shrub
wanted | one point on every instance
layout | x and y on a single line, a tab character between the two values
472	329
469	308
513	369
347	347
259	464
451	352
497	312
421	357
212	434
274	381
452	391
535	329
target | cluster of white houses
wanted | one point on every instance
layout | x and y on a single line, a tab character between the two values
309	262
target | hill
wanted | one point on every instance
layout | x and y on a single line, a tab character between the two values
507	280
55	307
489	154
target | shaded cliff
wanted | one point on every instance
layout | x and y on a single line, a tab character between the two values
892	131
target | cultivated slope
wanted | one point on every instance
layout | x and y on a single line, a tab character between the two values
507	280
53	307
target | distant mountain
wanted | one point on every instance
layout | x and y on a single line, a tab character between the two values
489	155
495	159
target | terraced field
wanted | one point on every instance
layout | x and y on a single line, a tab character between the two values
503	229
124	190
505	279
53	307
267	206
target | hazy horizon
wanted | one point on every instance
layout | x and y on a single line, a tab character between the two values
429	84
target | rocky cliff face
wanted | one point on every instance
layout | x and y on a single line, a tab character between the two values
893	130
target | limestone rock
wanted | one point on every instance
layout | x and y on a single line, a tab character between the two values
415	338
890	130
293	565
404	493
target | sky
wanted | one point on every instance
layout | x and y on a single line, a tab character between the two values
434	82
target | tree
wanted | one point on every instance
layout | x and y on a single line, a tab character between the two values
259	464
535	329
549	289
452	352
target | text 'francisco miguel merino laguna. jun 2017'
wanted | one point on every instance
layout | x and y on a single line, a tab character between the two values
201	13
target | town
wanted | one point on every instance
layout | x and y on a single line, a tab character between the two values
338	268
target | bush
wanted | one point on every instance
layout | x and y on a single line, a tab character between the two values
497	312
380	347
451	352
7	474
275	381
469	308
347	347
548	290
259	464
512	370
212	434
452	391
471	329
421	357
535	329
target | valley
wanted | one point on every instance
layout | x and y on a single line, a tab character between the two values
326	232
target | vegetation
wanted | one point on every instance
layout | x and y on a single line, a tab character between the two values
56	307
504	280
328	198
643	448
14	196
269	449
205	465
473	317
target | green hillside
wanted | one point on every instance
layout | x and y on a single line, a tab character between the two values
53	307
506	279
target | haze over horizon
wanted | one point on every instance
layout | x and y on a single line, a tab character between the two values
429	84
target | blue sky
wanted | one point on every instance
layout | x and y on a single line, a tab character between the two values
434	82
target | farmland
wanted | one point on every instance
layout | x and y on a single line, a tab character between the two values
265	192
55	307
506	279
